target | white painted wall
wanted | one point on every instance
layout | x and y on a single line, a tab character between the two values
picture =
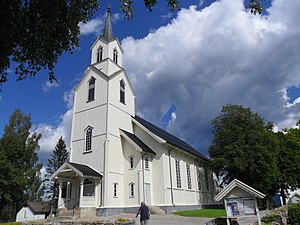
26	214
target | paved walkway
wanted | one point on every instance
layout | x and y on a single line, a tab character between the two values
169	219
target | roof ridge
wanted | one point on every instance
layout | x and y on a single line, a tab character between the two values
170	138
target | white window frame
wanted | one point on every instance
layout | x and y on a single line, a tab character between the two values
122	91
131	162
88	141
147	165
115	55
188	174
131	190
100	54
90	87
178	176
85	185
115	190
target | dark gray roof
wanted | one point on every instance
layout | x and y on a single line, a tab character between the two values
138	141
169	138
85	170
108	34
39	207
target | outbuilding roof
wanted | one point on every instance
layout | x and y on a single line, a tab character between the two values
39	207
236	183
169	138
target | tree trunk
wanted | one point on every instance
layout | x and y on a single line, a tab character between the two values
282	195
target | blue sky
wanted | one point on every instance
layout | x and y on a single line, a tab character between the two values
183	66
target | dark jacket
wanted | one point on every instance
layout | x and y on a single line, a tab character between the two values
144	212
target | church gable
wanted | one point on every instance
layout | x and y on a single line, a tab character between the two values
121	94
91	90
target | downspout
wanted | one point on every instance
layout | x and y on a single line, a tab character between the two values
105	153
171	183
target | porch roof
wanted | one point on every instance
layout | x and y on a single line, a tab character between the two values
71	170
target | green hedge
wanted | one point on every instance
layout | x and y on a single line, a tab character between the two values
294	213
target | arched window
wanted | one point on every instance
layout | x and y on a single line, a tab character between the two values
131	165
100	54
131	190
115	56
122	91
88	187
146	162
88	139
115	190
91	93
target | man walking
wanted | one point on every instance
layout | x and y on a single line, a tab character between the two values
144	213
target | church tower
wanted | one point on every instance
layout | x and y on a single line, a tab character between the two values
104	103
118	159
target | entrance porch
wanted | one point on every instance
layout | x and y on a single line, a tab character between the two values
79	189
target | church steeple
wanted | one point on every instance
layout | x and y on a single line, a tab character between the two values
107	49
108	34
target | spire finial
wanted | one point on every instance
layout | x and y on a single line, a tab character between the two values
108	34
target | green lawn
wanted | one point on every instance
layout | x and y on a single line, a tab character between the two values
210	213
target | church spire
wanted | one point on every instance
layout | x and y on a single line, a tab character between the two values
108	34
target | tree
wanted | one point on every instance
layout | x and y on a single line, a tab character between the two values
58	158
34	34
288	163
18	149
244	147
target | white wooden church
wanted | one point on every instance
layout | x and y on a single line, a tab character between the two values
118	159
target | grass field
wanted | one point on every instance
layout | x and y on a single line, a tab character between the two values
210	213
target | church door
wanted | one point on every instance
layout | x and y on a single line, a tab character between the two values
148	194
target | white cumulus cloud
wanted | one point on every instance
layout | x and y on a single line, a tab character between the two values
219	55
49	85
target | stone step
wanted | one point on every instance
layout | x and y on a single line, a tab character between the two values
154	209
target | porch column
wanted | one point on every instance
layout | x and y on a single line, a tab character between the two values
97	193
81	192
257	211
59	194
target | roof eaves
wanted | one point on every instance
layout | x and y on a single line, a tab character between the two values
123	134
237	183
60	169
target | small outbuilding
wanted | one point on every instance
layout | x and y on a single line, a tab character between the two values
34	211
239	200
294	199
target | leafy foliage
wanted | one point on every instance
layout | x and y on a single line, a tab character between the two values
294	213
34	34
58	158
19	166
288	163
244	147
255	6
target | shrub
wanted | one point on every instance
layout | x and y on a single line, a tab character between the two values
275	216
294	213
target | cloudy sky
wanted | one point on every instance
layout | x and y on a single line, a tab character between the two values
184	67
